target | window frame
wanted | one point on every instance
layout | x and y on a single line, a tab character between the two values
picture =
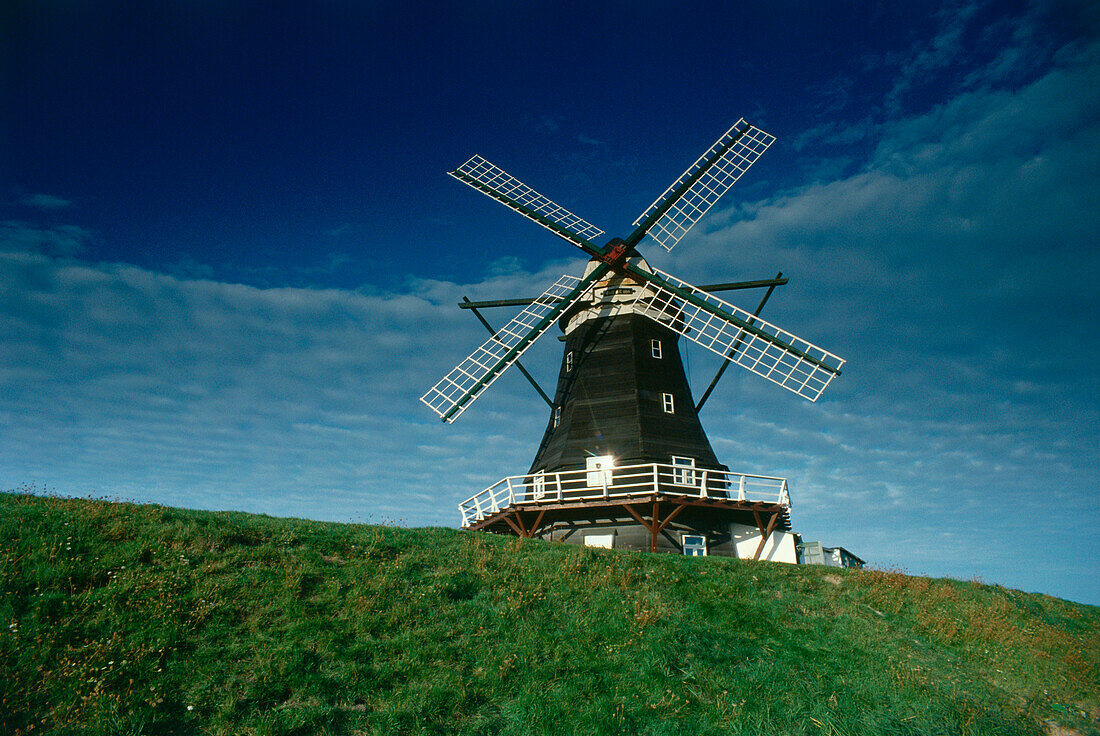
655	349
668	403
686	545
684	474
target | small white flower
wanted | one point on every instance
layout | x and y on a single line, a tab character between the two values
190	707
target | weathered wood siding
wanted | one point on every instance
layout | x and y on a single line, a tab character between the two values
611	399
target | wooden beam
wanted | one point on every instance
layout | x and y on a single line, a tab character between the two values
671	516
538	522
467	304
512	524
493	331
737	344
653	530
672	539
637	516
519	520
652	527
764	534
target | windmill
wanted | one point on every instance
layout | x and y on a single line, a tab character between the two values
624	460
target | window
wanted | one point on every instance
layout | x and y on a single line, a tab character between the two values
695	545
569	361
606	541
557	416
684	472
655	348
666	403
599	469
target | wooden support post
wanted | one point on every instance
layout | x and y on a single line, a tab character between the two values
654	529
764	533
537	524
655	526
675	512
518	526
517	529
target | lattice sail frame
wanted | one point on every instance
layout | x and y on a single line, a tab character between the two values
716	181
762	349
521	198
466	381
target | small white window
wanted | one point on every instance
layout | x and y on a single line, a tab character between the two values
557	416
666	403
569	361
684	473
600	472
655	348
695	545
607	541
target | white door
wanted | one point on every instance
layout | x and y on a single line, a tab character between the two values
599	471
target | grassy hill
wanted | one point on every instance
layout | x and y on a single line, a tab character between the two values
125	619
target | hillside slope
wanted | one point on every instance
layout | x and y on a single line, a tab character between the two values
125	619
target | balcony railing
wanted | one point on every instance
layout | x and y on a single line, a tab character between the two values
622	483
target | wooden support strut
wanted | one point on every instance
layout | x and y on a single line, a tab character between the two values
518	526
537	523
764	532
493	331
518	529
655	527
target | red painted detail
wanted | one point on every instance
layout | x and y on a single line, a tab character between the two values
616	255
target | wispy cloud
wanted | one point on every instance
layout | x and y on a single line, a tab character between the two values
122	381
60	240
46	202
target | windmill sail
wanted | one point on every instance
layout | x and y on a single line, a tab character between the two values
690	197
455	391
745	339
497	183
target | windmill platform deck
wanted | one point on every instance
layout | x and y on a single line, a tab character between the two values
656	497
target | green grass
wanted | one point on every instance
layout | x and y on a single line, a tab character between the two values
125	619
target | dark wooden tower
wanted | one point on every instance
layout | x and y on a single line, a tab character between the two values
621	391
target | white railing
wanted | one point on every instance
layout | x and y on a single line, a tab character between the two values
624	482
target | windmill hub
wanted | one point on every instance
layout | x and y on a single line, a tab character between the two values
615	252
624	460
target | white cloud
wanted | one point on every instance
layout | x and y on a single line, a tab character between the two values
121	381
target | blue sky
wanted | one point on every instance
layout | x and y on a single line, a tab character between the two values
230	257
